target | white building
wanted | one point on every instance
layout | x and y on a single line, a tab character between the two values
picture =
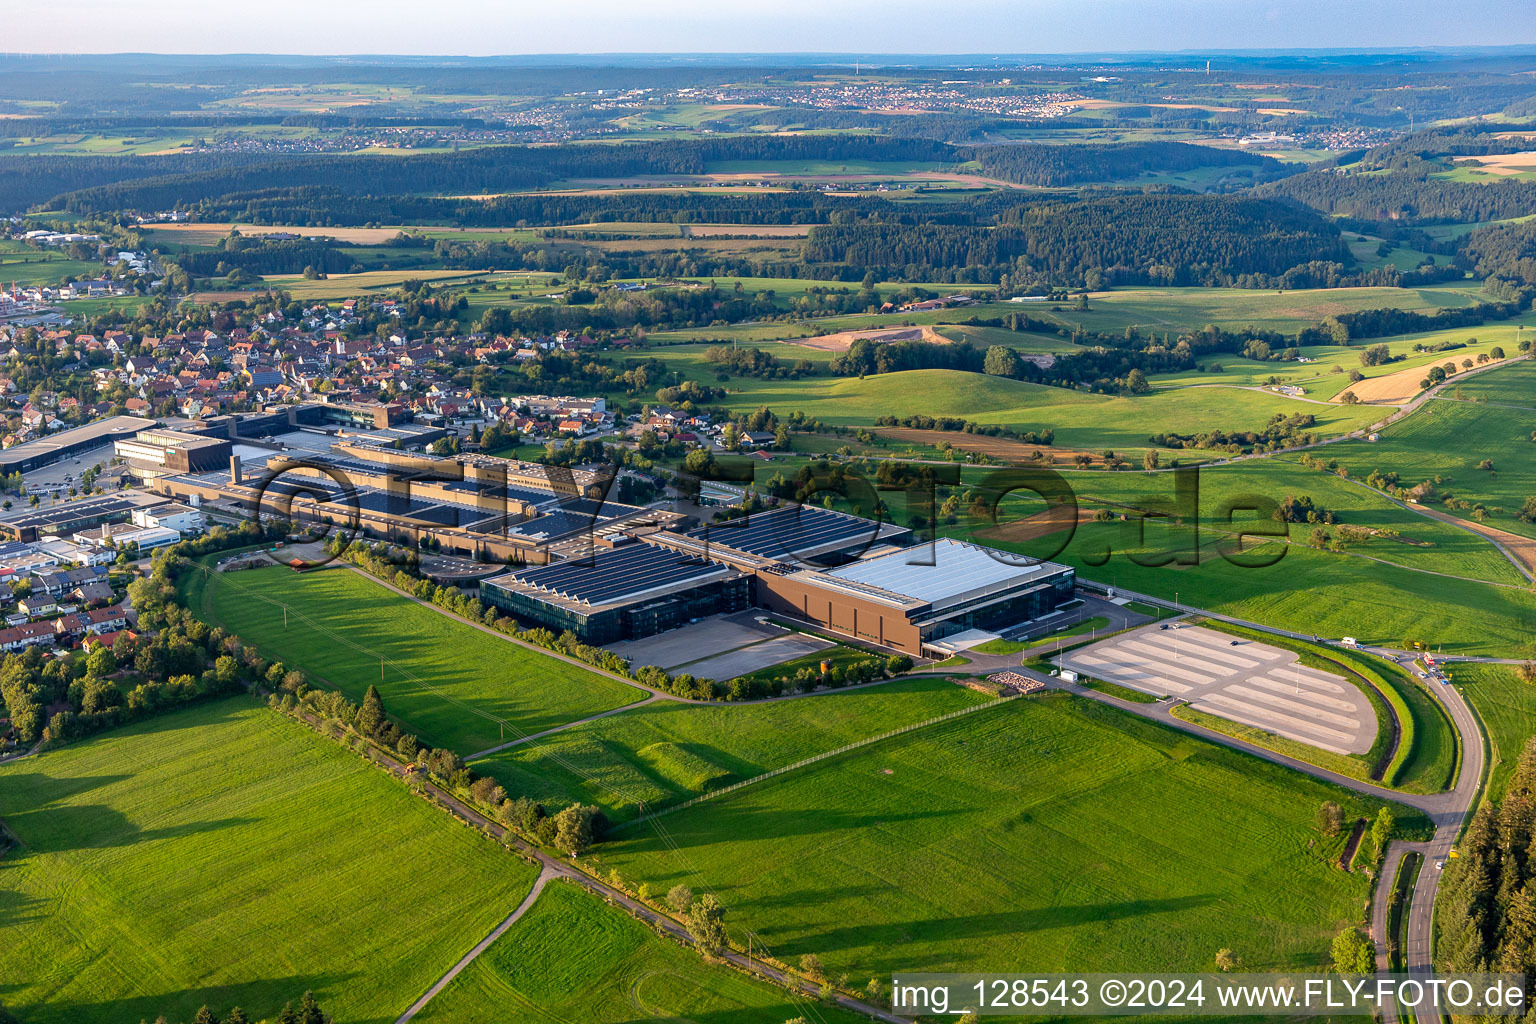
184	519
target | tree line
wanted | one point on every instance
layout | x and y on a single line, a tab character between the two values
1486	910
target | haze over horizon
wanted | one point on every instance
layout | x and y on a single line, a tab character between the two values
792	26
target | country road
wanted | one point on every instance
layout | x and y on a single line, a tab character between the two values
1448	811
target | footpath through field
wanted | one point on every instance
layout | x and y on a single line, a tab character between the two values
553	867
480	947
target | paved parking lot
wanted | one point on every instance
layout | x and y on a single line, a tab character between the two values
698	640
759	655
1242	680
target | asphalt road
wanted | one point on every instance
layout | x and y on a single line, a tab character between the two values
1448	810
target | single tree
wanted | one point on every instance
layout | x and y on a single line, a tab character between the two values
1384	827
370	717
680	898
573	829
1353	953
706	923
309	1011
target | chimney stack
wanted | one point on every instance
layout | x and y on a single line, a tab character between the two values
234	469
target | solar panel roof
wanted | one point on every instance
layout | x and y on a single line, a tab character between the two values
618	572
793	532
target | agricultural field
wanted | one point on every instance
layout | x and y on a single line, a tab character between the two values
1487	417
452	685
345	286
225	854
1506	704
573	957
203	233
25	266
959	847
1325	375
665	751
1156	310
1080	419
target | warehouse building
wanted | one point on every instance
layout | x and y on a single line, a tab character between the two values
909	598
626	592
789	537
64	520
45	451
152	453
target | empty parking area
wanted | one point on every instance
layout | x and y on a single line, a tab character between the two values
721	647
697	640
759	656
1242	680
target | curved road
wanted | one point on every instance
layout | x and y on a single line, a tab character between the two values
1447	811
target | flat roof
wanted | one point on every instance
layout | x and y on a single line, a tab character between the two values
959	572
614	575
71	512
109	429
794	532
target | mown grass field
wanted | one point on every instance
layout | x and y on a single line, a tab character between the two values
665	752
227	855
1327	375
1507	706
1049	834
1490	416
453	686
26	266
1080	419
573	957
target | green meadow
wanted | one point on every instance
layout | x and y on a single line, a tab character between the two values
572	957
23	265
1491	416
1080	419
1475	601
225	854
665	751
1048	833
451	685
1327	372
1507	706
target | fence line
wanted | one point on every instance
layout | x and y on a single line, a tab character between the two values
733	787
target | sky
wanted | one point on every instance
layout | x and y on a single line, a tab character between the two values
485	27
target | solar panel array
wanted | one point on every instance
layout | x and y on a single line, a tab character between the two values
554	523
790	532
617	572
438	513
73	512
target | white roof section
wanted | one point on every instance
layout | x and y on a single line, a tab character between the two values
959	572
